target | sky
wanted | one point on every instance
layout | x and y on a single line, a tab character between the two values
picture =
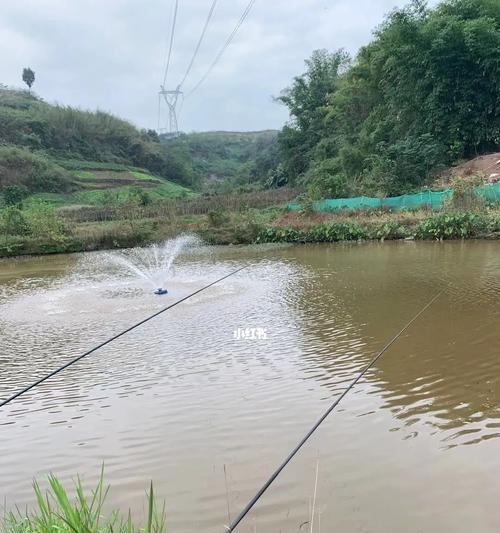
110	54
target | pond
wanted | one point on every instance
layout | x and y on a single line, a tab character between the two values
191	401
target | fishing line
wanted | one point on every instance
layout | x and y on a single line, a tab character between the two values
76	359
277	472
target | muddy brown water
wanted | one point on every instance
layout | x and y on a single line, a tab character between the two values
415	446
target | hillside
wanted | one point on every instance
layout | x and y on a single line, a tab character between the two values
73	156
224	159
423	95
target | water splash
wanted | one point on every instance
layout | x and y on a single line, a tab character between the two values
153	263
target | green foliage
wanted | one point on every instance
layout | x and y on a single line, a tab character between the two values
79	164
306	99
337	231
13	222
217	217
464	196
14	194
34	171
276	177
391	230
226	160
116	196
28	77
277	234
423	94
68	133
324	232
452	226
140	196
57	512
44	221
443	226
324	178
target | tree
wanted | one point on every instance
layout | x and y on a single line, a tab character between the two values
305	99
28	77
14	194
424	93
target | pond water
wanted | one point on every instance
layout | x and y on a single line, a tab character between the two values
208	416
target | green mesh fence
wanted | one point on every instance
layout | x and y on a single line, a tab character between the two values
428	199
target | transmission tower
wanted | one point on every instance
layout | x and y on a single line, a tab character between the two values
171	98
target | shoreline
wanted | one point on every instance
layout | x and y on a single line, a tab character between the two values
273	225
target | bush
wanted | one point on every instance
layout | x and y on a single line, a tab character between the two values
33	171
44	222
14	194
217	217
337	231
326	232
464	196
391	230
324	180
13	222
274	234
452	226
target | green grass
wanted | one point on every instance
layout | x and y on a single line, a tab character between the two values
96	175
114	195
57	512
84	174
80	164
139	175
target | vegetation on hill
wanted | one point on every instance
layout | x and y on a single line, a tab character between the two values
423	94
37	138
222	160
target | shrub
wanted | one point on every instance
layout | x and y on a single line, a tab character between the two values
452	226
464	196
44	222
217	217
273	234
391	230
14	194
337	231
13	222
36	172
324	180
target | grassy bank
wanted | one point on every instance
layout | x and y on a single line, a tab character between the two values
37	227
44	231
379	225
57	511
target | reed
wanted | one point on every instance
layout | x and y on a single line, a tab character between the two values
56	511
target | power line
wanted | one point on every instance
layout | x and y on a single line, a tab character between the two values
277	472
226	44
171	44
76	359
202	36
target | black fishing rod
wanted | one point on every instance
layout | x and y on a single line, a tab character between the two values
76	359
277	472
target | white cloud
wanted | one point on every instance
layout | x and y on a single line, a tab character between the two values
110	55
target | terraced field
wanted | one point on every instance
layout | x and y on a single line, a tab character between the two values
118	185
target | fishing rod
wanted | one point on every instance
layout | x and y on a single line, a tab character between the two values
277	472
117	336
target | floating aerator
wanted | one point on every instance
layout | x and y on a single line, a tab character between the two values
161	291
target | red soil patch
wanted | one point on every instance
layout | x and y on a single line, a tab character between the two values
486	164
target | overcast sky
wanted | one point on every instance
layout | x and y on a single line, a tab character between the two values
110	54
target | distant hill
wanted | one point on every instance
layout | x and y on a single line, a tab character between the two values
226	158
71	155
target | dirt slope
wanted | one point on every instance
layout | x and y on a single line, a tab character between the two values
486	164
